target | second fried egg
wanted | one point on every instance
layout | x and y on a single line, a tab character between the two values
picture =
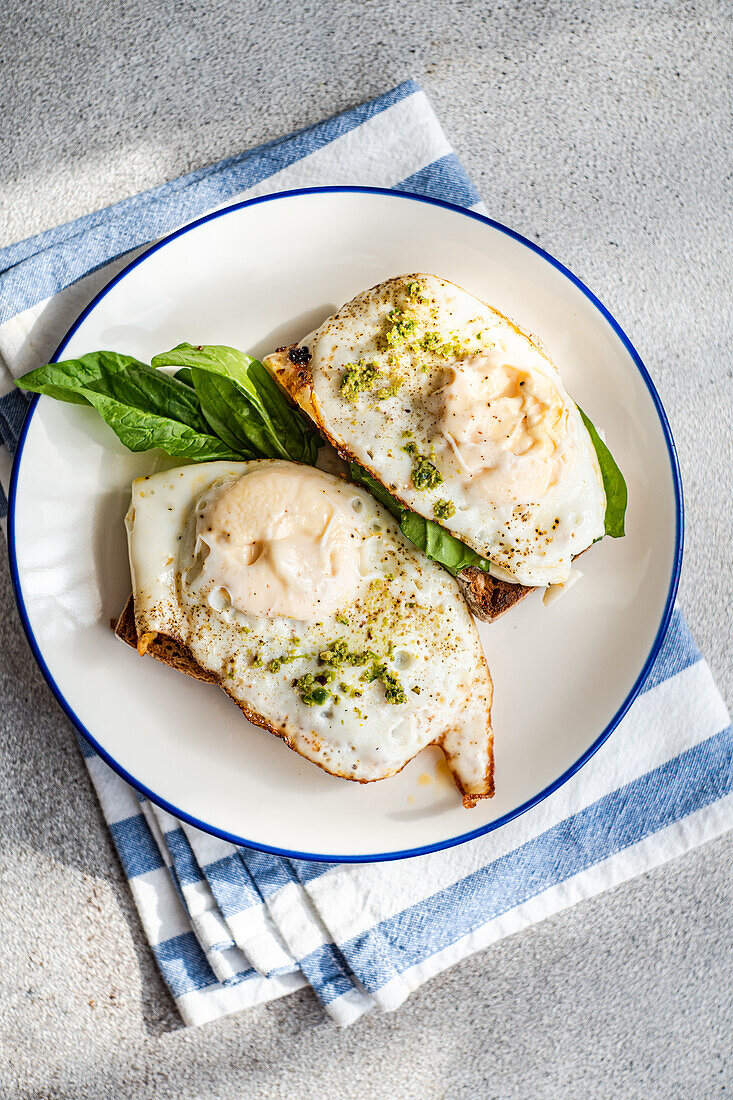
461	416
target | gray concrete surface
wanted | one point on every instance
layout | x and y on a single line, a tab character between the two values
603	132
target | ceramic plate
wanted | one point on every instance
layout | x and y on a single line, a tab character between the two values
258	275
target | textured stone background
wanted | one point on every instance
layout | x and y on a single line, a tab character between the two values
603	132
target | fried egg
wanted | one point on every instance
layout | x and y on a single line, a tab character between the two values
298	592
461	416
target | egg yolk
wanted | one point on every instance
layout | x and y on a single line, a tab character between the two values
504	429
280	542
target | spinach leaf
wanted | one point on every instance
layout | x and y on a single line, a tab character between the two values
361	477
145	408
220	404
434	541
64	380
229	414
613	482
272	427
153	391
287	422
213	357
144	431
440	545
184	375
121	377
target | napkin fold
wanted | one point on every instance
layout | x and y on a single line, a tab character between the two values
231	927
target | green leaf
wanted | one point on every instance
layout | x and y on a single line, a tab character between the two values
272	426
230	405
361	477
286	422
227	412
434	541
140	431
214	357
153	391
121	377
613	482
64	380
439	545
145	408
184	375
144	431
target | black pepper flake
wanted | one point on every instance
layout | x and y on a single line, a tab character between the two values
299	355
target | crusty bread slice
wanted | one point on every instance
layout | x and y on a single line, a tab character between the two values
488	597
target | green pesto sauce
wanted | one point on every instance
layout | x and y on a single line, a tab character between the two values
311	692
314	689
444	509
359	377
424	475
452	348
415	293
430	341
389	391
277	662
393	689
402	327
352	692
337	655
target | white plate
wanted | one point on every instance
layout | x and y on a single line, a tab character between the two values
258	275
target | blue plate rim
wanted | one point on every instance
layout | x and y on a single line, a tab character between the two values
608	729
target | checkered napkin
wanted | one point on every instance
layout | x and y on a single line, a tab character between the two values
231	927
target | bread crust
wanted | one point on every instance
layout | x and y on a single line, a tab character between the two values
487	596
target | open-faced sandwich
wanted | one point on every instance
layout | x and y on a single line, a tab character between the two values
297	593
312	556
464	420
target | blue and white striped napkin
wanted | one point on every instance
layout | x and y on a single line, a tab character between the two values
231	927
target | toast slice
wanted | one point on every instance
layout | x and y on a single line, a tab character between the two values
488	597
